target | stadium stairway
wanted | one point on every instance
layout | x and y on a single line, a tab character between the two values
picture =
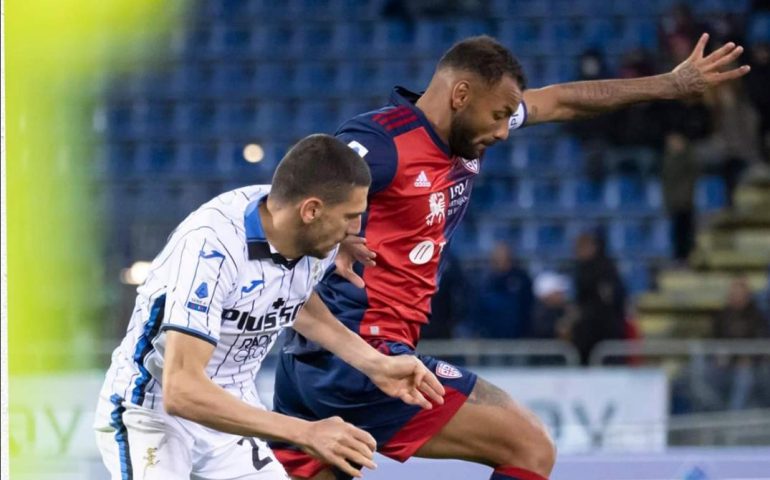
735	242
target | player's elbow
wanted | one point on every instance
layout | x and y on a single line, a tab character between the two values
176	396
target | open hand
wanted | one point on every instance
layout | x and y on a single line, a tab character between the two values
698	72
407	378
353	249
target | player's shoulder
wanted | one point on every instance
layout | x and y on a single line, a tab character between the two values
221	219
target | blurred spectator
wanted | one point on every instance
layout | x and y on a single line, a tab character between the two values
741	317
734	143
599	295
448	305
593	132
505	298
678	177
759	93
729	382
554	315
678	33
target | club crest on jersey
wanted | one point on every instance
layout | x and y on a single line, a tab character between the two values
446	370
471	165
202	291
422	180
437	205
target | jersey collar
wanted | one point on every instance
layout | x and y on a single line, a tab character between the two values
258	246
403	96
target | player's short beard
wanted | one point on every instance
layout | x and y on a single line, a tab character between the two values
309	245
461	138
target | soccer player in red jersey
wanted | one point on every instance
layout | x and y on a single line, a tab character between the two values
424	152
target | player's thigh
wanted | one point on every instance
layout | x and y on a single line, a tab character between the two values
143	447
491	428
241	458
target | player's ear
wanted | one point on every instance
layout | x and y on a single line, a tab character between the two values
311	209
461	93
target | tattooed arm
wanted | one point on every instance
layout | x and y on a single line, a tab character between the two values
569	101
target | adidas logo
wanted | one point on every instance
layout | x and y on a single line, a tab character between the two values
422	180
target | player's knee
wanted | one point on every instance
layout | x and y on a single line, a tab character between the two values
529	446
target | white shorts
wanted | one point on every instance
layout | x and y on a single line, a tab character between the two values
141	444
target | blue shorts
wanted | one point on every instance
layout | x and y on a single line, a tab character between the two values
320	385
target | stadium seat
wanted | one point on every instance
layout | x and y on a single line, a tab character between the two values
544	195
629	193
237	119
313	40
521	8
196	119
711	193
315	116
759	28
599	32
526	36
313	77
587	195
497	160
393	37
198	159
353	40
272	79
156	158
235	78
273	118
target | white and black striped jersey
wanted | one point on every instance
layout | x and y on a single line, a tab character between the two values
217	279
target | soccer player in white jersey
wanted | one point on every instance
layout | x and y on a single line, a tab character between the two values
179	400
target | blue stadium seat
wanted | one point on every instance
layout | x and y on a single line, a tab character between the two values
315	116
497	160
273	41
551	238
196	119
121	160
273	118
522	8
156	158
312	40
559	69
271	79
541	195
636	276
120	120
198	159
156	119
598	32
195	80
313	77
629	193
235	78
565	35
353	39
236	119
711	193
393	37
354	78
526	36
636	33
759	28
587	195
535	155
389	73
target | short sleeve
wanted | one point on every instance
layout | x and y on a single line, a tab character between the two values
375	147
519	117
201	278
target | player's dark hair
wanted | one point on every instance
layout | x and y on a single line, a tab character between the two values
319	166
486	57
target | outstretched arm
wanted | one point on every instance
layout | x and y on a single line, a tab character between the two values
574	100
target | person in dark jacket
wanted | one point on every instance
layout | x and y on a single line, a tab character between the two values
599	295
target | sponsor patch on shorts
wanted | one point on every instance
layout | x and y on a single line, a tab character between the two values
446	370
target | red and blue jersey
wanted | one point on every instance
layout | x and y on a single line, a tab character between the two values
419	194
